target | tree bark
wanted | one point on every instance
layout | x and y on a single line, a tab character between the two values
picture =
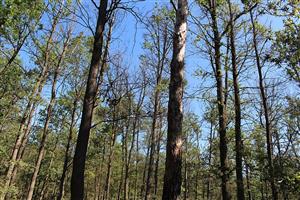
77	180
221	105
173	165
237	107
265	110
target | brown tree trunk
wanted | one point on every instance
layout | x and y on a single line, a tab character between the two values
265	110
221	105
77	180
173	165
237	107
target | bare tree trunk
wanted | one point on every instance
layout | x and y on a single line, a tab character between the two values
237	107
173	177
99	174
21	150
265	110
127	166
77	180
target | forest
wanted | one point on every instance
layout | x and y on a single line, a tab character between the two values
150	99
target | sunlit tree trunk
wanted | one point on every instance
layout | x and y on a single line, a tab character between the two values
173	165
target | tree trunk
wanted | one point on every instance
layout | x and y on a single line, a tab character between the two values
27	113
42	149
173	165
67	152
51	104
221	105
237	107
153	138
265	110
77	180
134	133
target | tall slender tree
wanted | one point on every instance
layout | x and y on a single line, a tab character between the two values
77	181
220	100
265	108
237	108
172	177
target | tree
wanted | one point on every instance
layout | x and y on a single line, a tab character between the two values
158	43
77	186
265	109
287	49
237	105
172	177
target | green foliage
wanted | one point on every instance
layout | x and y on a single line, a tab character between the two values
14	14
287	49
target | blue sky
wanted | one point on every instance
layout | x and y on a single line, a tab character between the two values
128	39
